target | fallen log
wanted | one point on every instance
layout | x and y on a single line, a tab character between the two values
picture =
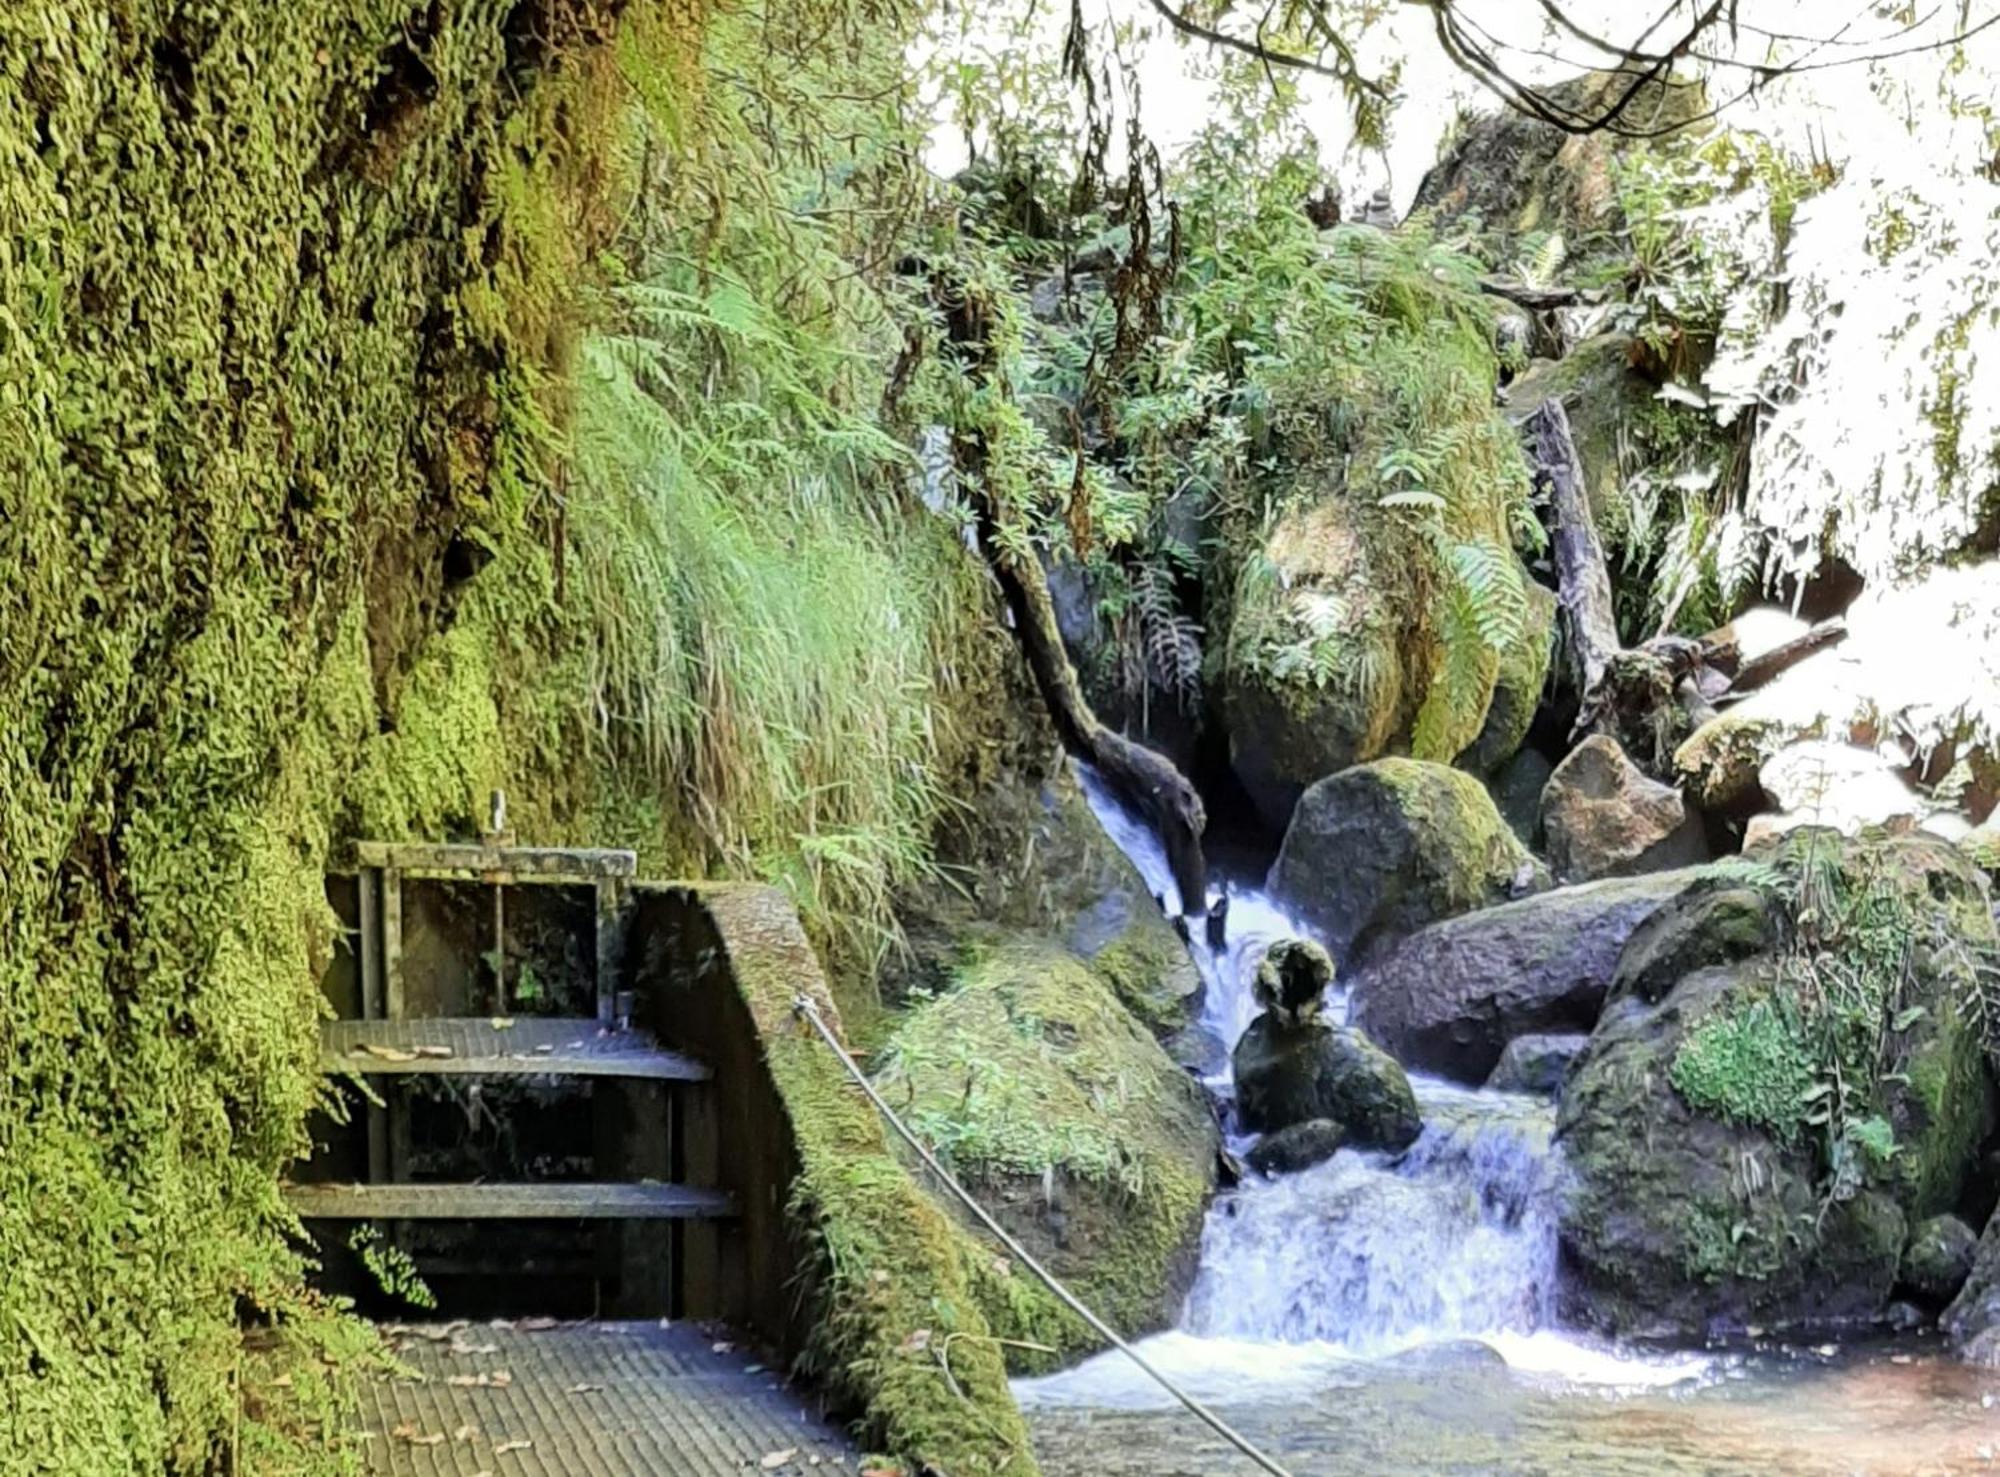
1766	666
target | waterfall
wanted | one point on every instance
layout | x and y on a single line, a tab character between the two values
1366	1255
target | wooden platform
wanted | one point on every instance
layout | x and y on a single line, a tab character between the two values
480	1047
541	1201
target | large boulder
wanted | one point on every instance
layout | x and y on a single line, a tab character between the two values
1603	817
1972	1322
1030	856
1717	764
1287	1074
1318	670
1381	849
1448	999
1333	655
1069	1121
1749	1137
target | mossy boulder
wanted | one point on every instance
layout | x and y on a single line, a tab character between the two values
1517	686
1752	1131
1717	764
1938	1259
1379	850
1449	998
1516	175
1290	1074
1318	665
1029	854
1056	1107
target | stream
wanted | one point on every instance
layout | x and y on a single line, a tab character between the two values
1396	1314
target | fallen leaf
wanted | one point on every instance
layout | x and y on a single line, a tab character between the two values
434	1052
536	1325
282	1382
386	1053
475	1348
753	1369
775	1459
515	1445
585	1389
497	1379
502	1023
465	1433
721	1346
917	1342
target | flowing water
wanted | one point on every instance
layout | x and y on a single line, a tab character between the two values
1385	1314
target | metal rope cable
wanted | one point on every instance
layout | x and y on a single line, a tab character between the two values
806	1008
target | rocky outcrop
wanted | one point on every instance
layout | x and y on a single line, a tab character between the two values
1296	1147
1972	1322
1448	999
1750	1134
1938	1260
1603	817
1379	850
1287	1075
1536	1063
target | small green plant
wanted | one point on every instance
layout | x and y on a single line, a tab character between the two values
392	1267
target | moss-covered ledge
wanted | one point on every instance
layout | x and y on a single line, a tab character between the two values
840	1258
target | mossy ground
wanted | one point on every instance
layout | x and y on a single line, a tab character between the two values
1048	1099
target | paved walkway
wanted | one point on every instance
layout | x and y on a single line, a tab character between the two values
534	1398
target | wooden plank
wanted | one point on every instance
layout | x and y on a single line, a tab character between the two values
368	886
607	950
392	944
528	1047
498	863
553	1201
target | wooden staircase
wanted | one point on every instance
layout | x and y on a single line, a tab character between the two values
554	1049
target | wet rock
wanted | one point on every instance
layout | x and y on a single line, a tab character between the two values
1292	980
1536	1062
1299	1146
1293	1074
1448	998
1687	1080
1938	1259
1381	849
1972	1322
1603	817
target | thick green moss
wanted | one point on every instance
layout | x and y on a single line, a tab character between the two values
1049	1100
274	319
900	1291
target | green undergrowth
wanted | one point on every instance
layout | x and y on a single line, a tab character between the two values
375	434
1041	1092
1869	1034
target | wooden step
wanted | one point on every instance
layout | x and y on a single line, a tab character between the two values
556	1201
518	1047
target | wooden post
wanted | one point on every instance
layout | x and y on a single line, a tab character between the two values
392	944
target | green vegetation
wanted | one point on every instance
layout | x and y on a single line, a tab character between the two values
1870	1033
898	1330
1038	1089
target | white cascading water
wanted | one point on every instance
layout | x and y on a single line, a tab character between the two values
1364	1255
